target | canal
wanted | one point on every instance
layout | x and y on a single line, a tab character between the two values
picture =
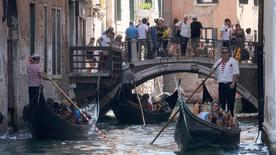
127	140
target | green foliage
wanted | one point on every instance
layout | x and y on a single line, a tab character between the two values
146	6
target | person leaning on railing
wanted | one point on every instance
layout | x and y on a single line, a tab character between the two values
185	34
131	33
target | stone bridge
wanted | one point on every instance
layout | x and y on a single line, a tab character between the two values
148	69
108	65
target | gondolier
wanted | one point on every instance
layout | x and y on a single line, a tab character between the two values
128	80
227	76
35	78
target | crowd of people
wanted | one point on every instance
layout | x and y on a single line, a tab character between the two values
162	40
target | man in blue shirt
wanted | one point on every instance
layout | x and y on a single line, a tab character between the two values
131	33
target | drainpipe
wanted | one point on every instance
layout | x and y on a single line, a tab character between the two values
260	62
115	16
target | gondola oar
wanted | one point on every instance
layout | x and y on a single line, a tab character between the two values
103	136
186	101
141	107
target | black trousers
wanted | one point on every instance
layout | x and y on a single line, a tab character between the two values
227	96
126	89
226	43
183	43
33	95
129	50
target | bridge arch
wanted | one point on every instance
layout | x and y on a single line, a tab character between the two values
162	69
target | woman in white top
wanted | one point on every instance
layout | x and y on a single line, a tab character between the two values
105	39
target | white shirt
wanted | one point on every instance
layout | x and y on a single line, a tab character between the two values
231	69
203	115
248	37
185	30
142	31
226	31
105	40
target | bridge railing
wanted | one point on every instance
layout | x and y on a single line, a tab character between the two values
143	49
95	60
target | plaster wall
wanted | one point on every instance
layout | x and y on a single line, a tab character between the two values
210	15
269	125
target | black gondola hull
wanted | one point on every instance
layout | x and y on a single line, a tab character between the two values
192	132
129	112
43	123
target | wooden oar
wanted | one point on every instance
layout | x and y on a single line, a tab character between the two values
104	137
141	108
186	102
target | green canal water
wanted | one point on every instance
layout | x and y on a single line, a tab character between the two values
126	140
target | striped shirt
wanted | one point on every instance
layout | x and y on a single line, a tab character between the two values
34	71
226	71
223	67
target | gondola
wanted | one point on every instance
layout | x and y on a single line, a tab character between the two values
44	123
128	111
192	132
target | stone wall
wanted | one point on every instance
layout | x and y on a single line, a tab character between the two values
22	52
3	69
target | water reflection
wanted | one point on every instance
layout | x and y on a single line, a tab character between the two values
134	140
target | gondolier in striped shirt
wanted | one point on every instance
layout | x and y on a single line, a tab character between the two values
227	75
35	78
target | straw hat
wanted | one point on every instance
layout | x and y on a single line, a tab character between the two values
194	17
36	56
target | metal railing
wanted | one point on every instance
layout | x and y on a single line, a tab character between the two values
243	51
108	60
92	60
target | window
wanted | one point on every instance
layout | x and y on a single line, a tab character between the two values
45	39
206	1
256	2
82	31
131	10
118	10
32	28
243	1
160	8
56	42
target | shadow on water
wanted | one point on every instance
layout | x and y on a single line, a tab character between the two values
127	140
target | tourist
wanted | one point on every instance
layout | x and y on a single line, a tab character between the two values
216	115
131	33
185	34
196	28
226	32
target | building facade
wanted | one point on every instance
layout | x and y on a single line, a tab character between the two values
211	13
44	27
269	125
